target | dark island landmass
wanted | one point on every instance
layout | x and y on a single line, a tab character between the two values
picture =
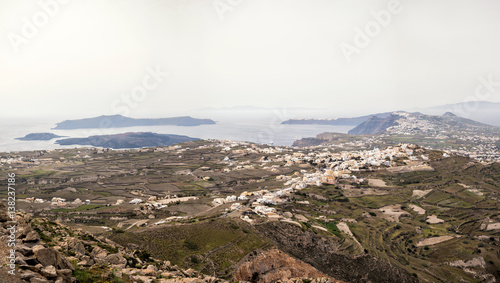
39	137
374	125
335	122
128	140
119	121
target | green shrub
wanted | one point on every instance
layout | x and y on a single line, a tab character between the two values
190	245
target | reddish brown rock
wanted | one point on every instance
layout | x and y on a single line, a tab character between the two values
275	265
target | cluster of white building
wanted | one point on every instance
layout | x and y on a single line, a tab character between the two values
338	166
56	201
341	165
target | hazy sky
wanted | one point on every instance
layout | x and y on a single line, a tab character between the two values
82	58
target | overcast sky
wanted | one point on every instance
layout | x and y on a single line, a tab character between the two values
82	58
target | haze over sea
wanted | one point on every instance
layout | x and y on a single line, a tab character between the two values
263	130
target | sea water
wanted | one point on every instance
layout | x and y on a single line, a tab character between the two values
265	131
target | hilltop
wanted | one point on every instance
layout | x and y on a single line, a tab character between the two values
482	111
417	123
336	122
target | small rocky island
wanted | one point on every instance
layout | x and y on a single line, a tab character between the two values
39	137
128	140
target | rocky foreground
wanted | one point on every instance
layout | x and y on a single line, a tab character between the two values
47	251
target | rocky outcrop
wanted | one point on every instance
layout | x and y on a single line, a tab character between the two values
322	253
49	252
35	261
274	265
76	246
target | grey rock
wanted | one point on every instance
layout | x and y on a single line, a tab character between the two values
37	247
22	231
76	246
24	250
39	280
29	267
48	256
115	259
20	260
49	271
65	272
152	267
190	272
28	274
65	264
32	237
98	253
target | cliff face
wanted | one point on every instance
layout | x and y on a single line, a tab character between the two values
274	265
374	126
322	253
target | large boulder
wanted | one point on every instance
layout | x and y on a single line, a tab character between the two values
24	250
36	248
76	246
32	236
98	253
115	259
49	271
28	274
48	256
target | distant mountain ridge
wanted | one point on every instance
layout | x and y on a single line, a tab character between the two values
481	111
417	123
355	121
119	121
128	140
